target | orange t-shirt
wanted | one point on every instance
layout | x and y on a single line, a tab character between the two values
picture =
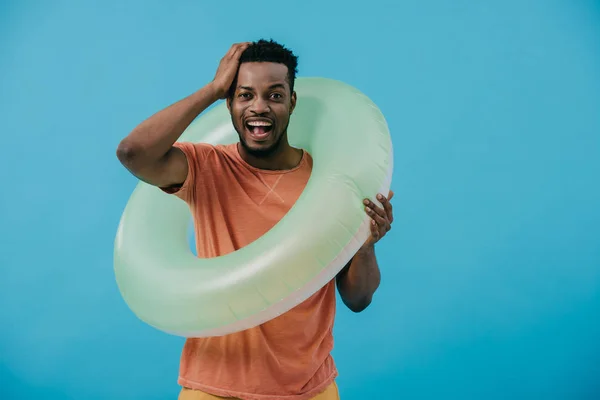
233	204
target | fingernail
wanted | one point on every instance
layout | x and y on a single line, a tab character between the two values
366	201
379	196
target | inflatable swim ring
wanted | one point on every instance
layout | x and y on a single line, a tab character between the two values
171	289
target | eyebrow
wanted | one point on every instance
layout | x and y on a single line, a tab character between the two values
273	86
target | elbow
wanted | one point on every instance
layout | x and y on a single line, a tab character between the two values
357	297
359	305
127	153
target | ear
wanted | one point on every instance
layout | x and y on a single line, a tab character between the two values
293	102
228	101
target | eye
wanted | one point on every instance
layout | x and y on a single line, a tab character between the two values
244	95
276	96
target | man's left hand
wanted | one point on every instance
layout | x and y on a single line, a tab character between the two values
381	218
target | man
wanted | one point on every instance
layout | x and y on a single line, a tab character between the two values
236	193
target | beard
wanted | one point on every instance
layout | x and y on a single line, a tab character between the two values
261	152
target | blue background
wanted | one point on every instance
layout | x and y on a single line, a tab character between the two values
491	275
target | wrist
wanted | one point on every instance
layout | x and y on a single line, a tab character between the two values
215	91
204	97
367	249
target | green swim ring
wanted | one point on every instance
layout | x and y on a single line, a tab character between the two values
171	289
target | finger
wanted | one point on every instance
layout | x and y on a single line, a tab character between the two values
232	50
374	230
379	210
380	220
235	48
238	52
384	226
372	208
242	45
381	217
391	195
387	206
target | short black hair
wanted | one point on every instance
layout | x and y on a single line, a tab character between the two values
270	51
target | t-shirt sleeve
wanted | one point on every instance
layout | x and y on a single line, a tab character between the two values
196	155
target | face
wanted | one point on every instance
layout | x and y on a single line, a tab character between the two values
261	107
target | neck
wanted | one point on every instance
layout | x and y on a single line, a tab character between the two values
284	158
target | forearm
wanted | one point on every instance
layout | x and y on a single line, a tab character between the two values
155	136
360	279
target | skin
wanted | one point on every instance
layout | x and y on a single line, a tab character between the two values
262	91
361	277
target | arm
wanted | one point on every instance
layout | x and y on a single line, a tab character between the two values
359	280
148	151
361	277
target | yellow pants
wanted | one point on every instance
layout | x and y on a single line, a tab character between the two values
331	393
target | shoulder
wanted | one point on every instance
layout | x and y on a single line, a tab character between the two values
195	150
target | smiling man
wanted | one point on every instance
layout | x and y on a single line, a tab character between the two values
236	193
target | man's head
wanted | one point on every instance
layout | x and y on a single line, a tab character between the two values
262	98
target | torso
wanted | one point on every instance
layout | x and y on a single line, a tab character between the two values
233	204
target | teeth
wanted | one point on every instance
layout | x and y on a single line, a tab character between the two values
259	123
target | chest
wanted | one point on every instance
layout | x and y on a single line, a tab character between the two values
237	207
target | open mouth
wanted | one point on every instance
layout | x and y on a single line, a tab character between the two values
259	129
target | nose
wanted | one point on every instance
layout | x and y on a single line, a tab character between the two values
259	106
